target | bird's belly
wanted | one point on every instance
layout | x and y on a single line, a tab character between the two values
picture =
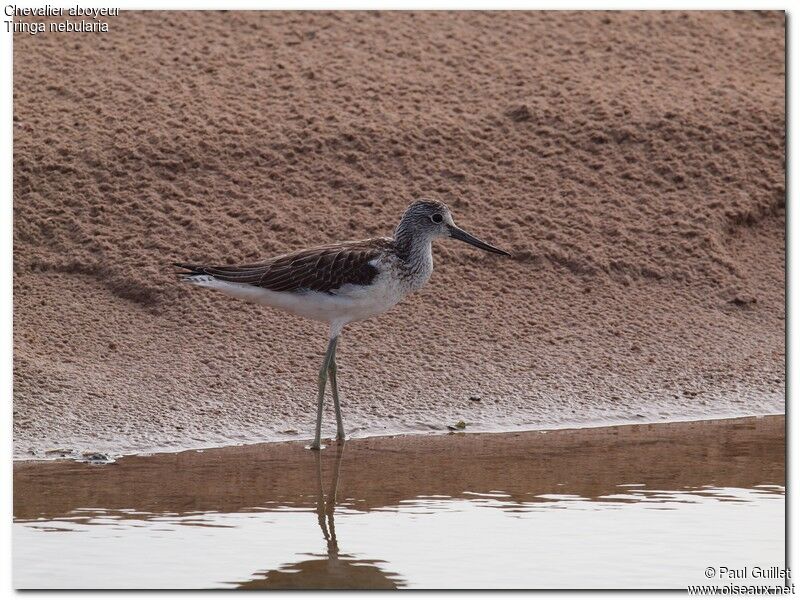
335	307
348	303
359	302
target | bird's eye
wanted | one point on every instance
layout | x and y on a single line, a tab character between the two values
436	218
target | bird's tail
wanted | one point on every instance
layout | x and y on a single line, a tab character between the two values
188	270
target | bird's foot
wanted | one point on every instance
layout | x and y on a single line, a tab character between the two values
315	446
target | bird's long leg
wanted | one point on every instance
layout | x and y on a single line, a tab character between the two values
323	377
335	391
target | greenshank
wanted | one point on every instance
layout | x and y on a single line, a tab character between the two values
342	283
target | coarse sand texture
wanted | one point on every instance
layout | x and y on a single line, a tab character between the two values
633	163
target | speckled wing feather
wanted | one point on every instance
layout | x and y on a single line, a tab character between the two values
322	269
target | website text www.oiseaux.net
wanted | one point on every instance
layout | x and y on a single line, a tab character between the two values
733	589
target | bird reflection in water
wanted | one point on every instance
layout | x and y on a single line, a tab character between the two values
331	570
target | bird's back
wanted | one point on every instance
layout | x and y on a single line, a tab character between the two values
320	269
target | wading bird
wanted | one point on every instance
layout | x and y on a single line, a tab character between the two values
342	283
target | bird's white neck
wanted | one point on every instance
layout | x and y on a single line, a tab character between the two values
412	245
416	256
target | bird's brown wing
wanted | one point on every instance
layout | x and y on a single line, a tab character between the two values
322	269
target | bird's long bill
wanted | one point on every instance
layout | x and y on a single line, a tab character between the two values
462	235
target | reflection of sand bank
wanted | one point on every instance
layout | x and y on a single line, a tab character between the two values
637	178
382	472
413	511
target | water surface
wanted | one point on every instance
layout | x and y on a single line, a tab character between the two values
642	506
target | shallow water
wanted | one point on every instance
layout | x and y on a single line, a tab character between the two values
645	506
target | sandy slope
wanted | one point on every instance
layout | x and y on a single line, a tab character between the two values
633	163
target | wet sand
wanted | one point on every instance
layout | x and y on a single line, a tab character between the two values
722	465
632	162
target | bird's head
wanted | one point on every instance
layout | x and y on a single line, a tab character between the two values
432	219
